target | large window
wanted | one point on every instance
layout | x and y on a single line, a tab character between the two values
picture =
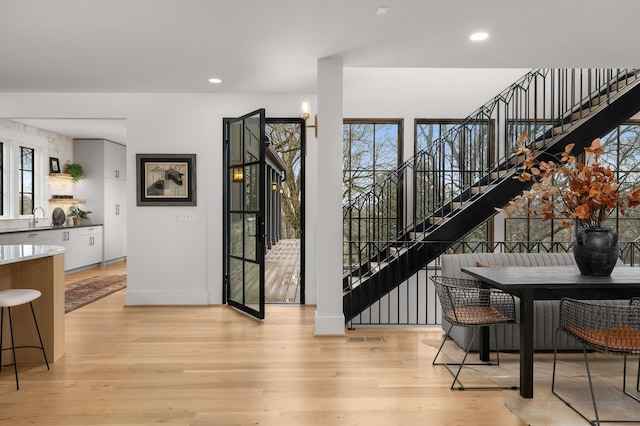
622	153
24	173
449	157
372	149
27	180
372	153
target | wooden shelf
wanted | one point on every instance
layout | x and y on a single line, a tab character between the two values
67	200
62	175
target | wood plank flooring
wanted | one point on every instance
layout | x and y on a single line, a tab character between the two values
216	366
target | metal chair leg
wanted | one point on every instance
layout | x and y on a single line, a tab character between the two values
553	383
593	395
597	420
447	336
624	381
638	378
461	386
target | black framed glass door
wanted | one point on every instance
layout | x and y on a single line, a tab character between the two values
244	213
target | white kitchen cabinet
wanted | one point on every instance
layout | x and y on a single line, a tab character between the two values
5	239
115	243
35	237
105	190
67	238
83	245
89	245
115	161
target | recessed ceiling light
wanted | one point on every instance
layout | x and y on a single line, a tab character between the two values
479	36
382	10
215	80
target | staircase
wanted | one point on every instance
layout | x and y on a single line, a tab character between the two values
442	194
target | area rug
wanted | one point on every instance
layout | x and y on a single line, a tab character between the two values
89	290
545	409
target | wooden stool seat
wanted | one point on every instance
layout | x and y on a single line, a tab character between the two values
9	299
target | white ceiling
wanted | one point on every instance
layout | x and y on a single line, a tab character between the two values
272	46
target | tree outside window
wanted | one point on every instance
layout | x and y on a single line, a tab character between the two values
27	180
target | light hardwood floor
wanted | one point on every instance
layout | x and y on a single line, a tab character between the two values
215	366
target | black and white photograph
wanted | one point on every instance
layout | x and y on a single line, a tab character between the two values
166	179
54	165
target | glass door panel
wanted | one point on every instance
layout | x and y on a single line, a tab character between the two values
244	213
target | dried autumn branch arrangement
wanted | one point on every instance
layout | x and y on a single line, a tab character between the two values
565	188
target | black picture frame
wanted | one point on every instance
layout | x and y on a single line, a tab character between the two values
166	179
54	165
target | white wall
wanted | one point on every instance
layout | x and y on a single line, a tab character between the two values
169	262
412	93
172	262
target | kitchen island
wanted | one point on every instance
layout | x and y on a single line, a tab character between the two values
40	267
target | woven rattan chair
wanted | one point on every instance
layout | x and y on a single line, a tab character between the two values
606	328
466	303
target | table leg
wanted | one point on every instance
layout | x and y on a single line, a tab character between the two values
526	345
484	349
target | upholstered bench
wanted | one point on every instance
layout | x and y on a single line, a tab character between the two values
546	312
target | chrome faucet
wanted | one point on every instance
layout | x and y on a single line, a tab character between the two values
34	222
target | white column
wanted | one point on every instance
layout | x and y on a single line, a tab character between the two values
311	215
329	316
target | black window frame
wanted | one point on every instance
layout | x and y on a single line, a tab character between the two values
24	173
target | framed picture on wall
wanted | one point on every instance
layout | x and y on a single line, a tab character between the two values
54	165
166	179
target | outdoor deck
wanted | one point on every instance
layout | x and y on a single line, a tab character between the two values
282	272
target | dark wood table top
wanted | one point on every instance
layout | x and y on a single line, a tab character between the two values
554	277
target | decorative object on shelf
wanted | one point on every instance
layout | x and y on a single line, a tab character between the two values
54	165
582	192
78	214
166	179
75	170
58	217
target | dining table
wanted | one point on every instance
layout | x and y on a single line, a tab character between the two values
551	283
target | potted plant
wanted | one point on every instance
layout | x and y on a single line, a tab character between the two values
78	214
75	170
585	193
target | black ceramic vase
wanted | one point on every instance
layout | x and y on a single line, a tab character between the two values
596	250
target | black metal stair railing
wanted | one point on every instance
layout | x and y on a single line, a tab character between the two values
414	203
414	302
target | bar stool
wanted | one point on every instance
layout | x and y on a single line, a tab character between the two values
8	299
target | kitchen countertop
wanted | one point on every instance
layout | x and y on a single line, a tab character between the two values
46	228
13	253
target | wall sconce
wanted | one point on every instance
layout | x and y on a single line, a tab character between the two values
238	174
281	189
274	186
305	112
